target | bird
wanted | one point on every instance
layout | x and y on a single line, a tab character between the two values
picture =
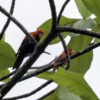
27	47
61	59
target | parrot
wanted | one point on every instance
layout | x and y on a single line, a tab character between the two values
61	58
27	47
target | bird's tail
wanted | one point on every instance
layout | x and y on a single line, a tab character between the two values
18	62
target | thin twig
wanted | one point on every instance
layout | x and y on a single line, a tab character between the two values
31	93
60	35
38	50
46	68
7	76
91	47
61	11
78	31
53	12
39	67
65	50
36	67
37	72
18	24
8	20
88	49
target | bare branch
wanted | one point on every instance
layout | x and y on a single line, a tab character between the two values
18	24
66	50
53	12
38	50
61	11
37	72
8	20
31	93
78	31
88	49
7	76
48	67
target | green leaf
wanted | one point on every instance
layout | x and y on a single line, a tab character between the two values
3	38
63	94
45	75
83	24
85	13
67	21
97	29
47	25
82	63
51	97
75	84
93	6
3	73
7	55
97	20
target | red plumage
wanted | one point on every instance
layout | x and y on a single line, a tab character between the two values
27	47
61	58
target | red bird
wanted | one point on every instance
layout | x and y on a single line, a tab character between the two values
27	47
61	58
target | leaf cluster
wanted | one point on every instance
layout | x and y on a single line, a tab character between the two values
71	83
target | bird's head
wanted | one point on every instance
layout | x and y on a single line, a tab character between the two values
40	32
70	52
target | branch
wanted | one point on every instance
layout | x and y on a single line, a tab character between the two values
66	51
31	93
48	67
18	24
37	72
8	20
78	31
38	50
88	49
61	11
53	12
36	67
7	76
60	35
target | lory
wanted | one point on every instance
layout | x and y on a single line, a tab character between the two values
61	59
27	47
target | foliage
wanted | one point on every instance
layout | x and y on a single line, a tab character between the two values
71	83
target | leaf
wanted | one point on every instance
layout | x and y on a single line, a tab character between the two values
3	73
45	75
83	24
93	6
51	97
63	94
82	63
97	29
7	55
3	38
85	13
75	84
47	25
67	21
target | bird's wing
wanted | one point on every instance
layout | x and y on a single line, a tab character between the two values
22	46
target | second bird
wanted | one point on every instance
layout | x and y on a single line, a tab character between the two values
27	47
